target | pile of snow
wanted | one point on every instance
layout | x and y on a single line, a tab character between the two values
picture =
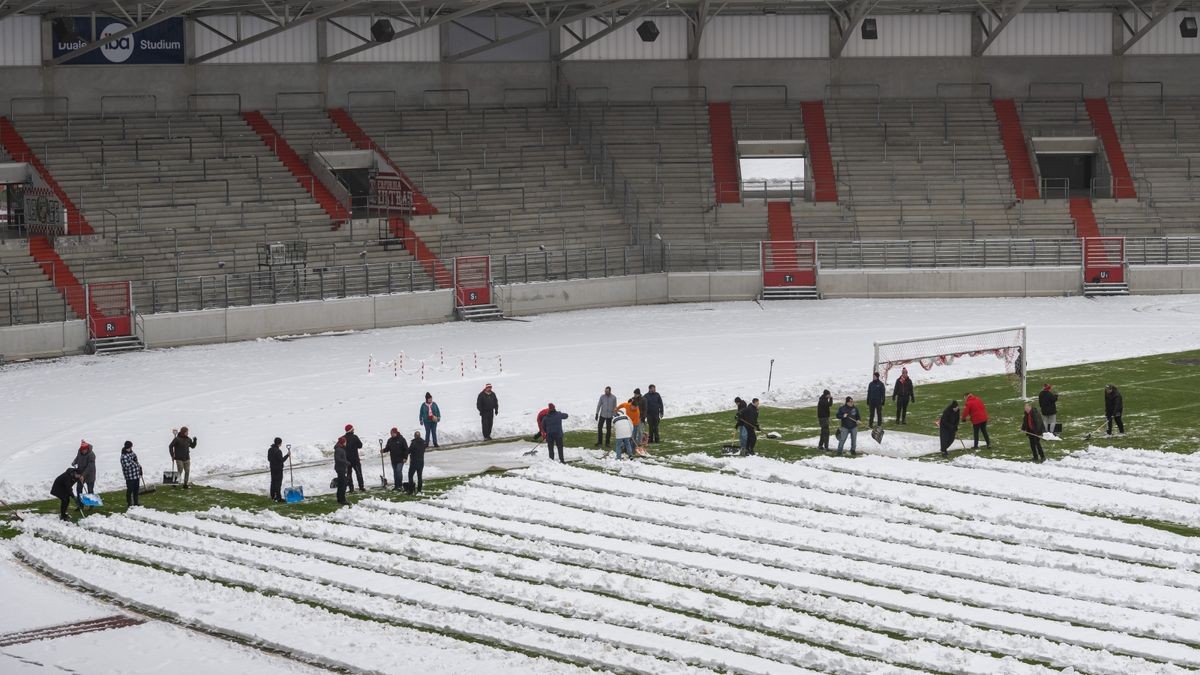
893	444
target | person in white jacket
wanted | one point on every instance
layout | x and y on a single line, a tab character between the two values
623	430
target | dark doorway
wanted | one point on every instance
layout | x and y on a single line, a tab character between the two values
1062	170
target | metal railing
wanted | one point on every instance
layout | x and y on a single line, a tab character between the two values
945	253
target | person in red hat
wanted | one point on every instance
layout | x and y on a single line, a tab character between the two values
488	407
397	451
85	462
353	445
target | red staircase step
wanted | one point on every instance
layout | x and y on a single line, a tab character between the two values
780	230
20	151
819	154
297	167
1013	138
58	272
1102	122
441	275
724	154
362	141
1084	217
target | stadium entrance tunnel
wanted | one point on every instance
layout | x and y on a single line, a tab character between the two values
1067	165
773	168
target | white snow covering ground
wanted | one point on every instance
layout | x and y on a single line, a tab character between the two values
236	397
893	443
876	564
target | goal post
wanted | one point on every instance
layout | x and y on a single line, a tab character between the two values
1006	344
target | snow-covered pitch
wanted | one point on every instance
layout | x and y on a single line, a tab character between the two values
743	565
237	397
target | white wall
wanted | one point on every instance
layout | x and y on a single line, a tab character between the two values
422	46
295	45
766	37
1163	38
625	44
21	41
1055	34
915	35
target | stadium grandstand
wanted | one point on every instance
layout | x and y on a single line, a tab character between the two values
209	170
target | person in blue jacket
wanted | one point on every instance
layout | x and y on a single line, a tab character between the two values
876	395
552	425
429	417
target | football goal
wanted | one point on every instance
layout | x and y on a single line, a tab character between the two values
1006	344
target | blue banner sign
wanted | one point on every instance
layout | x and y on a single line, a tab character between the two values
160	43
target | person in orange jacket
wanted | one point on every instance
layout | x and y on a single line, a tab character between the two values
634	412
974	410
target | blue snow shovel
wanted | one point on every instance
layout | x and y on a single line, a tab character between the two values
294	494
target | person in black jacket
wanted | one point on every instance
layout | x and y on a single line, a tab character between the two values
739	424
181	452
902	395
341	466
850	417
1048	404
824	406
1034	427
654	412
397	451
488	406
876	395
416	461
1114	406
749	417
353	445
62	488
276	458
948	427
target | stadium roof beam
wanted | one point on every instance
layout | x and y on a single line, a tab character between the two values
1158	11
300	19
848	20
557	23
153	20
16	9
429	23
608	30
699	22
1009	11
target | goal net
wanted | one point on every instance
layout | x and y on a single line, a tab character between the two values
1004	344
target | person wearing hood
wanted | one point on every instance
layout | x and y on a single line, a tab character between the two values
1114	407
1048	405
275	460
623	431
85	461
824	406
488	406
552	424
132	470
354	459
948	427
62	488
397	451
340	465
902	395
1034	427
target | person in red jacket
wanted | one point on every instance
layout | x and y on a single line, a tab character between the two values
541	432
974	410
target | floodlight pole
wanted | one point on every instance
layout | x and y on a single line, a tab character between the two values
1024	362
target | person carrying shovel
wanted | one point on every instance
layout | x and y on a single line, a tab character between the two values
276	458
1033	426
948	427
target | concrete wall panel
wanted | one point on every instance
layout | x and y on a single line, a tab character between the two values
914	35
766	37
21	41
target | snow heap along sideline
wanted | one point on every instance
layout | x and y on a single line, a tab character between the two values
876	565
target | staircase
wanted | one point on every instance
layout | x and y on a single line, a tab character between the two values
399	228
116	345
1102	122
1084	217
297	167
780	229
59	273
1024	182
479	312
19	151
819	155
362	141
724	154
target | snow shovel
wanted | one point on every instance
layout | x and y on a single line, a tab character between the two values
382	468
877	434
1097	430
293	494
14	514
146	487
